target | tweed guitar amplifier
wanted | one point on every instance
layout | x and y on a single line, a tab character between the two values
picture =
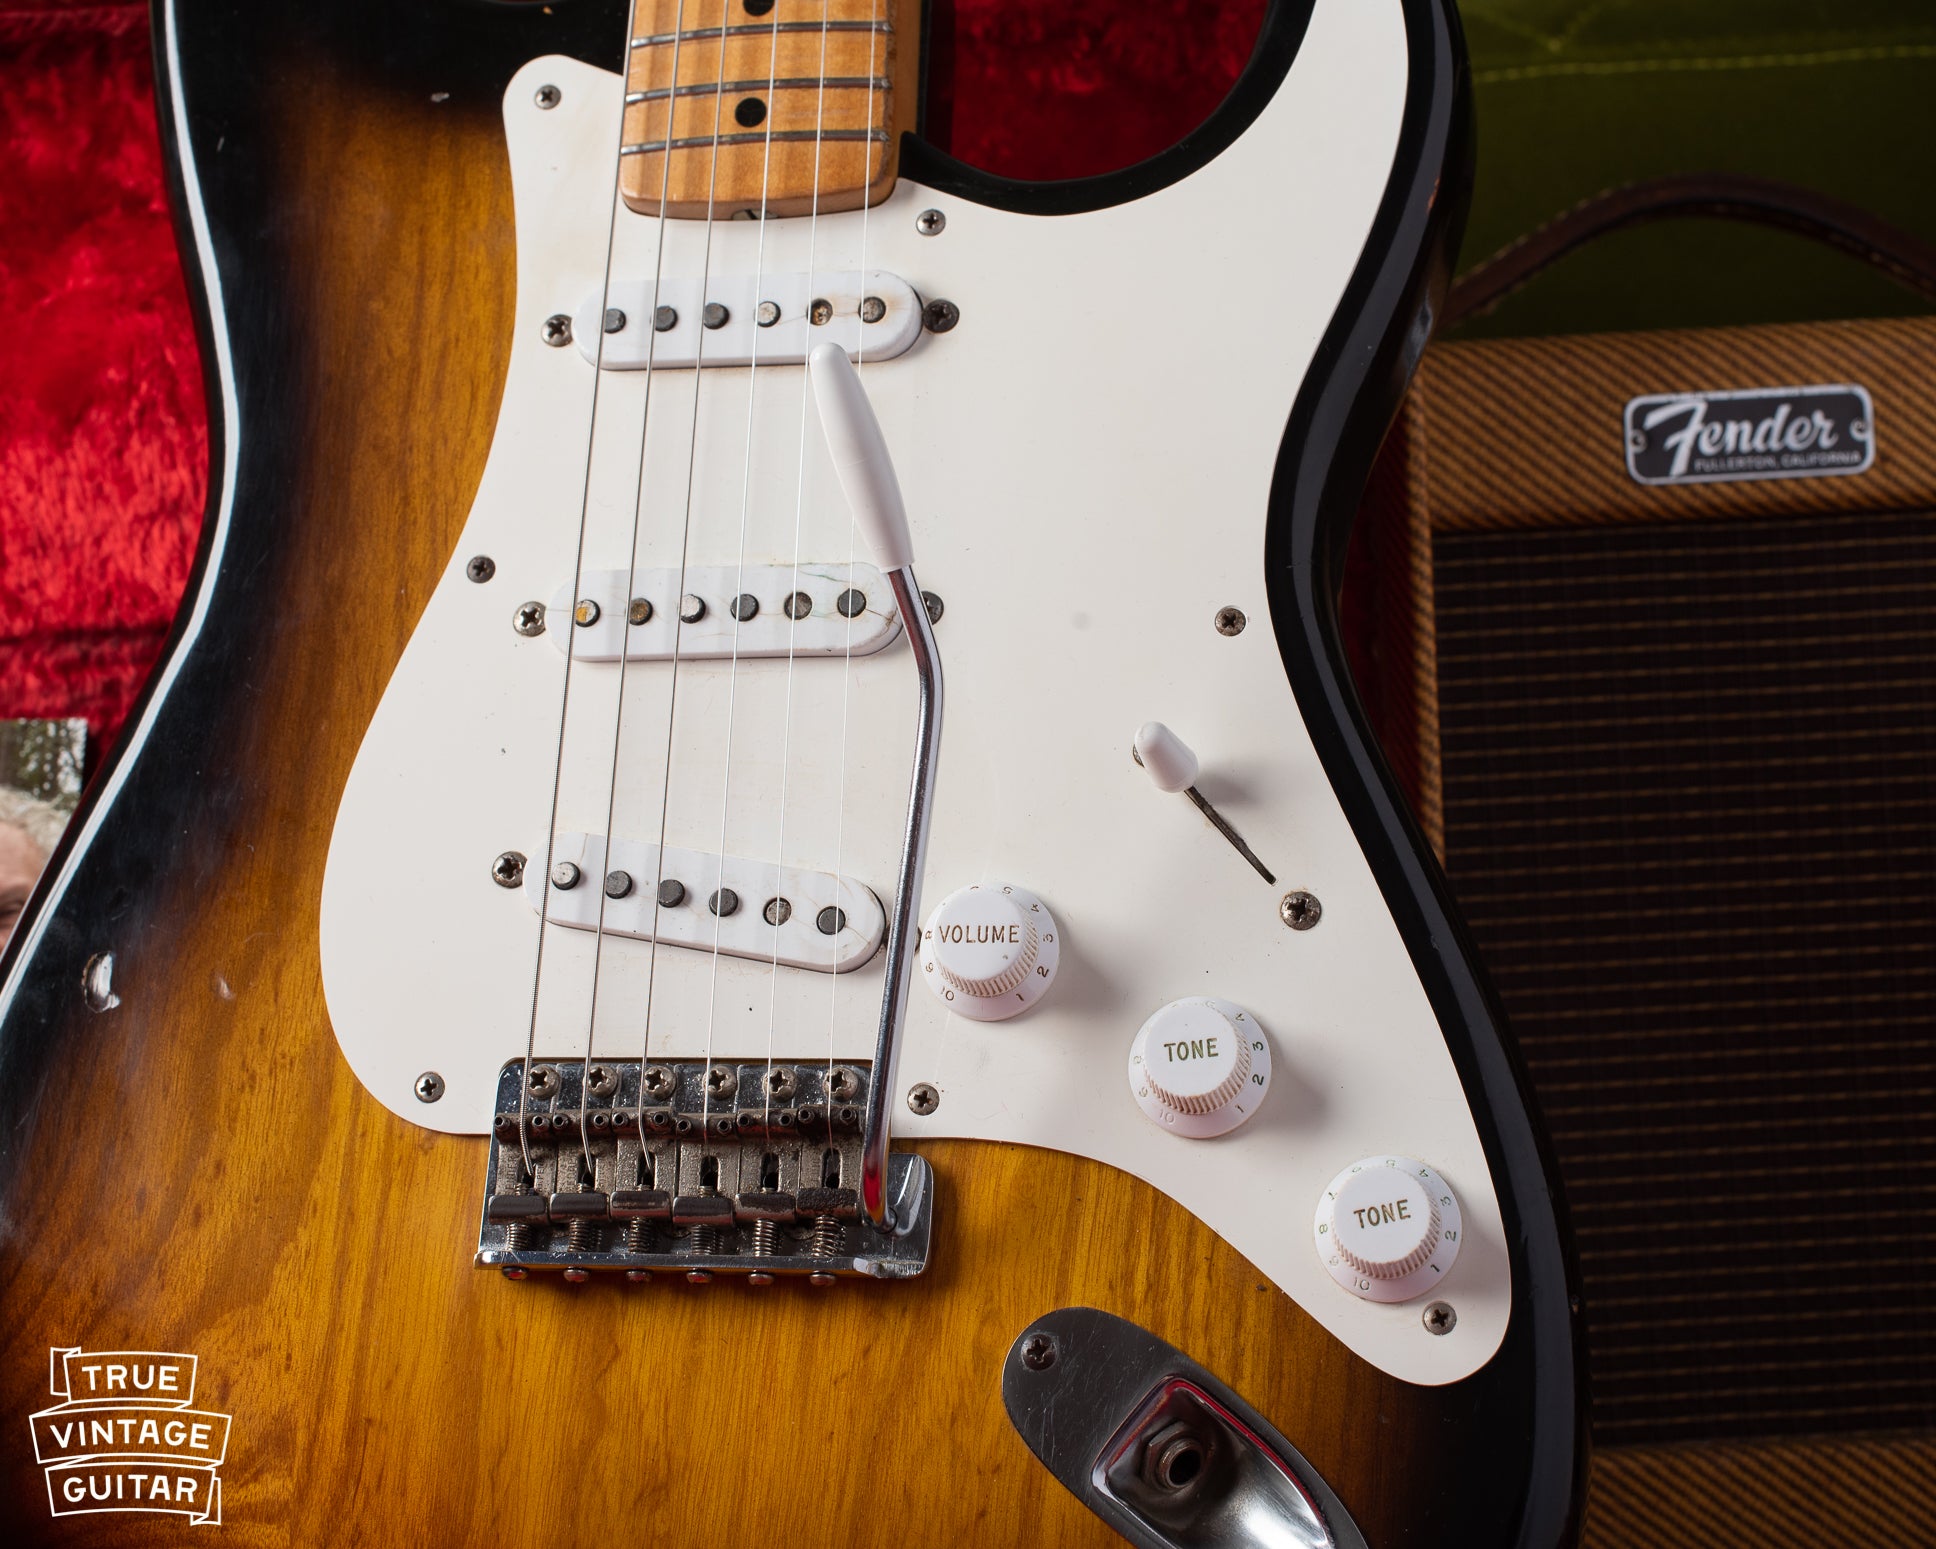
1647	625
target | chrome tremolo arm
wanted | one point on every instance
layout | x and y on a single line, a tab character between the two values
867	475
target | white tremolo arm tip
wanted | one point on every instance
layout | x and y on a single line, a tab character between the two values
1166	756
860	457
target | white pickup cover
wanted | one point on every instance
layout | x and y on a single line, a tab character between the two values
740	340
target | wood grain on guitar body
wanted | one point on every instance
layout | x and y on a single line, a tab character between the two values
627	876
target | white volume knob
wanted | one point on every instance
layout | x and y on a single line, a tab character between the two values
1200	1067
1388	1228
989	951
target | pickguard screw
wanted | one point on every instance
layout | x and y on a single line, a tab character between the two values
665	319
529	619
820	311
714	315
744	607
777	911
429	1087
639	611
768	314
614	320
692	608
1299	910
548	97
1439	1318
557	330
481	568
1231	621
1038	1352
872	309
564	876
940	316
672	893
930	223
586	613
797	606
851	602
830	921
724	902
922	1098
617	883
508	869
935	606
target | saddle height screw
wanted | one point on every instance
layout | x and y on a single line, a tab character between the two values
1299	910
1038	1352
564	876
557	330
923	1099
548	97
1439	1318
508	869
1231	621
940	316
529	620
930	223
481	568
429	1087
935	606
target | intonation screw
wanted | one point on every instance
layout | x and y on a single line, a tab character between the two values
481	568
930	223
565	875
940	316
1439	1318
586	613
665	319
548	97
872	309
923	1099
714	315
820	311
777	911
851	602
618	883
557	330
1038	1352
1299	910
1231	621
429	1087
508	869
529	619
639	611
830	921
614	320
692	608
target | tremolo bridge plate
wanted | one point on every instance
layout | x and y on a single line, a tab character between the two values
720	1169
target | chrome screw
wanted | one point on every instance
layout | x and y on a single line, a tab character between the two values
930	223
1439	1318
1038	1352
565	875
481	568
1231	621
529	619
508	869
429	1087
940	316
935	606
768	314
872	309
1299	910
557	330
548	97
923	1099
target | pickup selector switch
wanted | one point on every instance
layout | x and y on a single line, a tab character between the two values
1200	1067
1388	1228
989	951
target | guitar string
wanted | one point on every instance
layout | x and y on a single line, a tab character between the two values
650	323
571	643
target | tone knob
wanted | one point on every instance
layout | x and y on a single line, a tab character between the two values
1388	1228
1200	1067
989	951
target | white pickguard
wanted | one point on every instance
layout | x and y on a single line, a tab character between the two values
1087	459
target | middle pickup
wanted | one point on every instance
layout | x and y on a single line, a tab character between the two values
743	908
725	612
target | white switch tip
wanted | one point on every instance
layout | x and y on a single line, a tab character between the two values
860	457
1166	756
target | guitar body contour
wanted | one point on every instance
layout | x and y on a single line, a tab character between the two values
189	1163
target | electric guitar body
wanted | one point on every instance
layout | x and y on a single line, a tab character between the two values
469	1015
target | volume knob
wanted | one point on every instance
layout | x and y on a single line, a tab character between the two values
989	951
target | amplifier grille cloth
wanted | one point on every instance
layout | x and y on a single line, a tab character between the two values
1690	812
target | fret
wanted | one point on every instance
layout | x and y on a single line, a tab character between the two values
798	110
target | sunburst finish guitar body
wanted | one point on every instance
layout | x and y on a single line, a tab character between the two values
472	1013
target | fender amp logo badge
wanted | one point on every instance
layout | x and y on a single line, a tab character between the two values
1768	433
126	1438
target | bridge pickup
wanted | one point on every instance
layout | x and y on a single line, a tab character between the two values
742	612
744	908
742	1169
664	323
